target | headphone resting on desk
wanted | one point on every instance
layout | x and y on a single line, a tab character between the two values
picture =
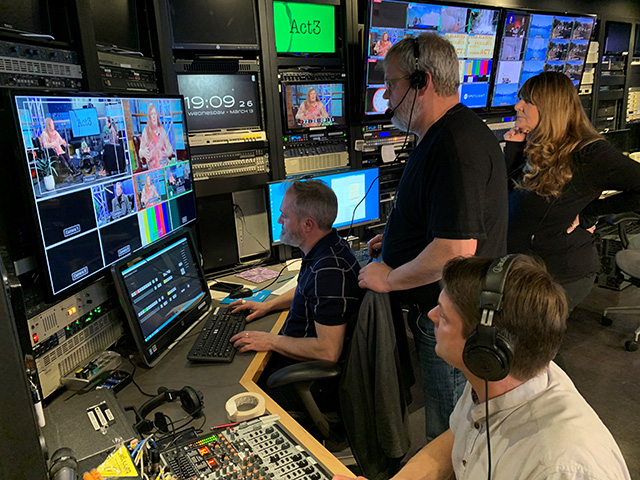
487	352
191	401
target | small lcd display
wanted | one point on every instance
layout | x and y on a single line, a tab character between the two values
304	27
314	105
220	101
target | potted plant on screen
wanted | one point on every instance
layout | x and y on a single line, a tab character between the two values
46	170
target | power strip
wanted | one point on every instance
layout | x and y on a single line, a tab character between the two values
86	373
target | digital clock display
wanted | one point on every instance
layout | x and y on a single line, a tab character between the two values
220	101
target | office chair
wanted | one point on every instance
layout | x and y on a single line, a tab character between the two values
376	376
628	261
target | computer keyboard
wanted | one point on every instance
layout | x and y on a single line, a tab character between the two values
212	344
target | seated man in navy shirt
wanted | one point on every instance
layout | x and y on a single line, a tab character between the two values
327	294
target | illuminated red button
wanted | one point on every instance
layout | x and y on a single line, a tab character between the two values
203	450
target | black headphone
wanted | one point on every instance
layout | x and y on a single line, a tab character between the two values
418	78
487	353
191	401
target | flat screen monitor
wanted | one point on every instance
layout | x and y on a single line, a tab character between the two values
636	44
115	23
214	24
217	101
110	190
533	43
350	188
163	292
29	16
617	38
471	30
302	28
313	105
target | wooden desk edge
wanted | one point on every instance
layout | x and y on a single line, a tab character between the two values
248	381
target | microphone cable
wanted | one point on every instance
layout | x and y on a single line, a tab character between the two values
486	410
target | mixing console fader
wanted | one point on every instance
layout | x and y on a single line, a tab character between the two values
258	449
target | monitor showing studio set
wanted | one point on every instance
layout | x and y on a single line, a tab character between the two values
471	30
99	185
313	105
539	42
358	193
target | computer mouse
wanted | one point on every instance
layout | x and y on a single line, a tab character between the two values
241	293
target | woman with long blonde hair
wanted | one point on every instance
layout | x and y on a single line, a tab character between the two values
155	146
560	165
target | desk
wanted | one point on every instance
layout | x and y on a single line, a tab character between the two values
219	382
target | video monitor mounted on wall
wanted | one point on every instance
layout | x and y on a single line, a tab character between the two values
221	101
106	176
471	30
213	24
358	193
539	42
303	28
309	106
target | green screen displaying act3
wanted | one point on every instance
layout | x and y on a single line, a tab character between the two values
304	27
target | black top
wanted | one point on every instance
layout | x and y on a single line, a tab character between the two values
327	290
454	186
538	225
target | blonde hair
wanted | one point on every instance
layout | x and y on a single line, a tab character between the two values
563	129
147	128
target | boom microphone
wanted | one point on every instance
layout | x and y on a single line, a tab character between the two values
388	113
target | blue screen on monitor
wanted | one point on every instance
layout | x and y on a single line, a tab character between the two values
350	187
84	122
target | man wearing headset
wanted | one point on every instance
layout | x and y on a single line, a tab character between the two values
539	426
451	201
327	294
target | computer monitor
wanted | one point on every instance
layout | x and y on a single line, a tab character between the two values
221	101
471	30
350	188
535	42
617	38
163	292
304	28
313	105
214	24
95	201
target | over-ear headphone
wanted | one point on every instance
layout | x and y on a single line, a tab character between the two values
190	399
418	78
487	353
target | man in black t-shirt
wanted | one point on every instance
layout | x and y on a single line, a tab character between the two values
451	201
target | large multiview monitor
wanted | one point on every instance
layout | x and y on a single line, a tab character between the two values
221	101
313	105
107	175
471	30
358	193
163	292
539	42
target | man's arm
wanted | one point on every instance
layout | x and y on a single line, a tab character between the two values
326	346
433	462
260	309
424	269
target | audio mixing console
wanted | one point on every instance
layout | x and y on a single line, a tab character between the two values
258	449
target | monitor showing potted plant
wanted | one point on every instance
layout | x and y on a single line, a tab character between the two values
46	170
